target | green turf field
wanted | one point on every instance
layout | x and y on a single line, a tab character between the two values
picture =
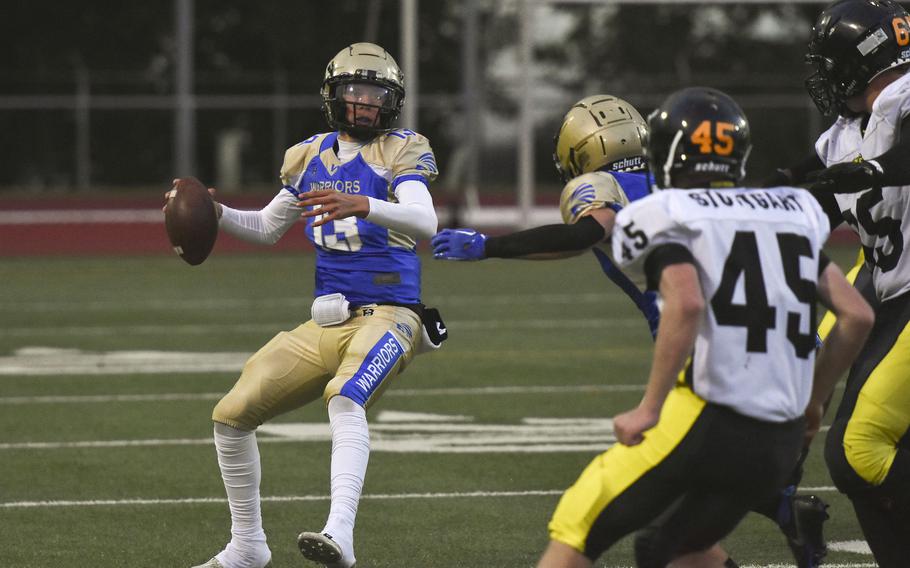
109	369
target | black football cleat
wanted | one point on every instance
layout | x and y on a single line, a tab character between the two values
804	530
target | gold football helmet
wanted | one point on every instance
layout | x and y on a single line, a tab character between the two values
363	90
600	132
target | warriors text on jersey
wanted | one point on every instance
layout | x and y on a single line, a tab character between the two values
757	253
364	261
880	216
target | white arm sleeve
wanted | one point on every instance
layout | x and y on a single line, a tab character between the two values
413	215
265	226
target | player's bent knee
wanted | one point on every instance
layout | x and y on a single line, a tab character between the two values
867	452
341	403
236	411
227	430
856	460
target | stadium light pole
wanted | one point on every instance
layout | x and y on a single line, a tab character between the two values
526	118
470	86
83	128
409	62
185	115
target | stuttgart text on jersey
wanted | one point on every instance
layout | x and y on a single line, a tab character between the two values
719	198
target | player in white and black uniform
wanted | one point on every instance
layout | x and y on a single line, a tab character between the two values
599	153
722	421
861	50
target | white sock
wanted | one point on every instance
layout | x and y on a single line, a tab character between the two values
238	458
350	454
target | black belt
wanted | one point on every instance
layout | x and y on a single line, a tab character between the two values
416	308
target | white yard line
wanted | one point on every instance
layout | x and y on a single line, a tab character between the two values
222	328
118	443
290	499
593	435
273	499
221	501
48	361
393	392
369	497
427	439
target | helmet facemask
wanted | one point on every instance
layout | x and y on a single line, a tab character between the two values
363	91
564	175
362	109
854	41
834	82
828	94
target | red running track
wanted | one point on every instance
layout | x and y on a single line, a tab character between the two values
75	225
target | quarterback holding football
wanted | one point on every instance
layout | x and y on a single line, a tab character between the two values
362	190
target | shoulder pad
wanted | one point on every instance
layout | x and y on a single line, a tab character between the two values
405	152
298	156
893	104
594	190
821	224
646	224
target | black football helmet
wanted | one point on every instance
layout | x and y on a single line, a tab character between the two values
852	42
698	137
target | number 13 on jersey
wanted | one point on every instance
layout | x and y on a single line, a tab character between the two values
340	234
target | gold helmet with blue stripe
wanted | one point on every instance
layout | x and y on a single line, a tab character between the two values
363	90
600	132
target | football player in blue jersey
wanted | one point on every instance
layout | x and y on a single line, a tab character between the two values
363	192
599	157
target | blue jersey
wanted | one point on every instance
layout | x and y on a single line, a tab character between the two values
364	261
634	185
615	190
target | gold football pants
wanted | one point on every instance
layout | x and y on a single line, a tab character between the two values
357	358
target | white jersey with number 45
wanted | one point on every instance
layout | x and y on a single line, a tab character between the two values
757	253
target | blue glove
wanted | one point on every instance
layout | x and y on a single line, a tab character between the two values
645	301
459	244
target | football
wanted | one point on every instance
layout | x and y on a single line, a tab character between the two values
191	221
